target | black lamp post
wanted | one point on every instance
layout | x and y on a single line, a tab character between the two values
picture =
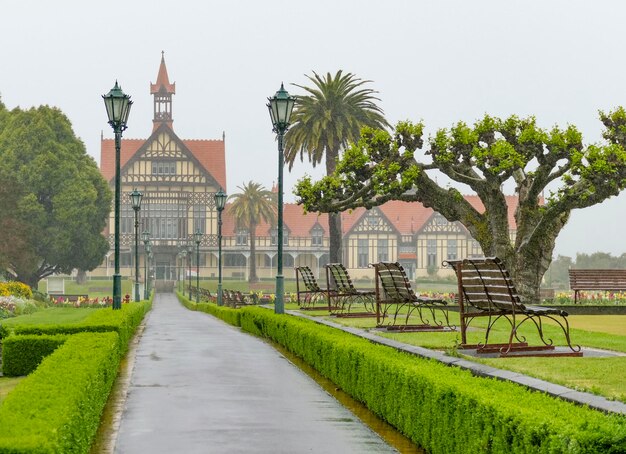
145	237
280	107
220	202
118	107
190	257
183	255
149	278
197	237
135	199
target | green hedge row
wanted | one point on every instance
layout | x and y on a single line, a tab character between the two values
229	315
57	408
441	408
124	322
22	354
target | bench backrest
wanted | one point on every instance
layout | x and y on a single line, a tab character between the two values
395	285
305	273
486	284
597	279
338	278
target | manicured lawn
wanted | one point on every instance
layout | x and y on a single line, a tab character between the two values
53	315
6	386
603	376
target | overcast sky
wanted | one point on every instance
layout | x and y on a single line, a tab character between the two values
438	61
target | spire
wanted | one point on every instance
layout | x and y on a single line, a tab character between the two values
162	84
162	91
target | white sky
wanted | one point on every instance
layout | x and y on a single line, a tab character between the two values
437	61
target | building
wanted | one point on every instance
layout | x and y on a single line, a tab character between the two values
179	177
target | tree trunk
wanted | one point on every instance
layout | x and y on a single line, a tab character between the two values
334	228
252	277
334	219
81	277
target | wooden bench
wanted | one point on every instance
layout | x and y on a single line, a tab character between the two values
394	293
236	299
343	296
487	290
308	293
604	280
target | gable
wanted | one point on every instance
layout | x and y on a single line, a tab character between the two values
373	221
438	224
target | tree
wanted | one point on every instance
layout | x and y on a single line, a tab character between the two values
53	201
249	207
324	122
383	166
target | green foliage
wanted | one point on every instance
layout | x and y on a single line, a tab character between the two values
54	199
230	316
18	289
57	408
22	354
249	207
443	409
384	166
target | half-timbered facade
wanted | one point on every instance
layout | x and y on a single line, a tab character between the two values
179	177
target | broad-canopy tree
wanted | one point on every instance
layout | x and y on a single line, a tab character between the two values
53	201
249	207
324	121
384	166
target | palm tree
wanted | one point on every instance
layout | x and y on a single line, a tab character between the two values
249	207
324	121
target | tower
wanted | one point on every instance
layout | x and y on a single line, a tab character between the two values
162	92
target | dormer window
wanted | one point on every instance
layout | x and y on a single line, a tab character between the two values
317	236
241	237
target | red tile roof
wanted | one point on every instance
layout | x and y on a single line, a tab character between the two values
210	153
406	217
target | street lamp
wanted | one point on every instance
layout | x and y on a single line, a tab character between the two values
149	268
280	107
145	237
220	201
190	256
183	255
197	237
118	107
135	199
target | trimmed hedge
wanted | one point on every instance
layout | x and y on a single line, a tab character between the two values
57	408
123	321
229	315
441	408
22	354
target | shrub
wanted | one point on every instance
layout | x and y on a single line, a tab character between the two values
442	408
22	354
57	408
15	288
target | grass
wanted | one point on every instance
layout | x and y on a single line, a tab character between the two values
52	315
6	386
602	376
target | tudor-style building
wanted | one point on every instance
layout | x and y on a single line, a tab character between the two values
179	177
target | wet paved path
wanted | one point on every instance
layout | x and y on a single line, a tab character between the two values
201	386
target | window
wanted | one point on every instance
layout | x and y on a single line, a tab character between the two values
288	261
317	236
165	220
452	249
362	253
431	252
199	218
274	237
383	249
163	167
241	238
234	260
126	259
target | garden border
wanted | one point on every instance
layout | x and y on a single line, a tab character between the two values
482	370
